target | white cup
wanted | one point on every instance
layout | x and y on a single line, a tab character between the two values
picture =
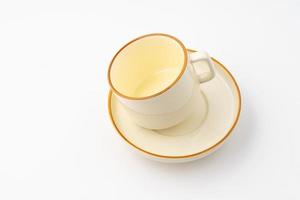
154	77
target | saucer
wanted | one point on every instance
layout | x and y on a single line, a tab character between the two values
193	138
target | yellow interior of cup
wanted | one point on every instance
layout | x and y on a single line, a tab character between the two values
147	66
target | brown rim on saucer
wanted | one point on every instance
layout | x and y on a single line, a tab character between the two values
162	91
190	155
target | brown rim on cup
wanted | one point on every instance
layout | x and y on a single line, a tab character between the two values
182	70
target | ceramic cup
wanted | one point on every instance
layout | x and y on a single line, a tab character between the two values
154	77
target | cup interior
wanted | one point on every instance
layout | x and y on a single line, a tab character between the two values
147	66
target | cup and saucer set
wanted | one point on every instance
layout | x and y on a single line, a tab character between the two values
170	103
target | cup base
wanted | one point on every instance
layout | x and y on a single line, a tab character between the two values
199	106
163	123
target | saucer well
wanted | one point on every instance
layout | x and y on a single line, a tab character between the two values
193	138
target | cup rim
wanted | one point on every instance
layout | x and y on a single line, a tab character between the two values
185	53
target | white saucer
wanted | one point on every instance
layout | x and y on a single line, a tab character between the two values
194	138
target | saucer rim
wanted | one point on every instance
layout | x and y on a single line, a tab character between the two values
203	152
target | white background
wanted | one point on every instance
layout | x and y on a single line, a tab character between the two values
56	139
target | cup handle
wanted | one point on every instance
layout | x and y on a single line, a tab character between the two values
202	56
